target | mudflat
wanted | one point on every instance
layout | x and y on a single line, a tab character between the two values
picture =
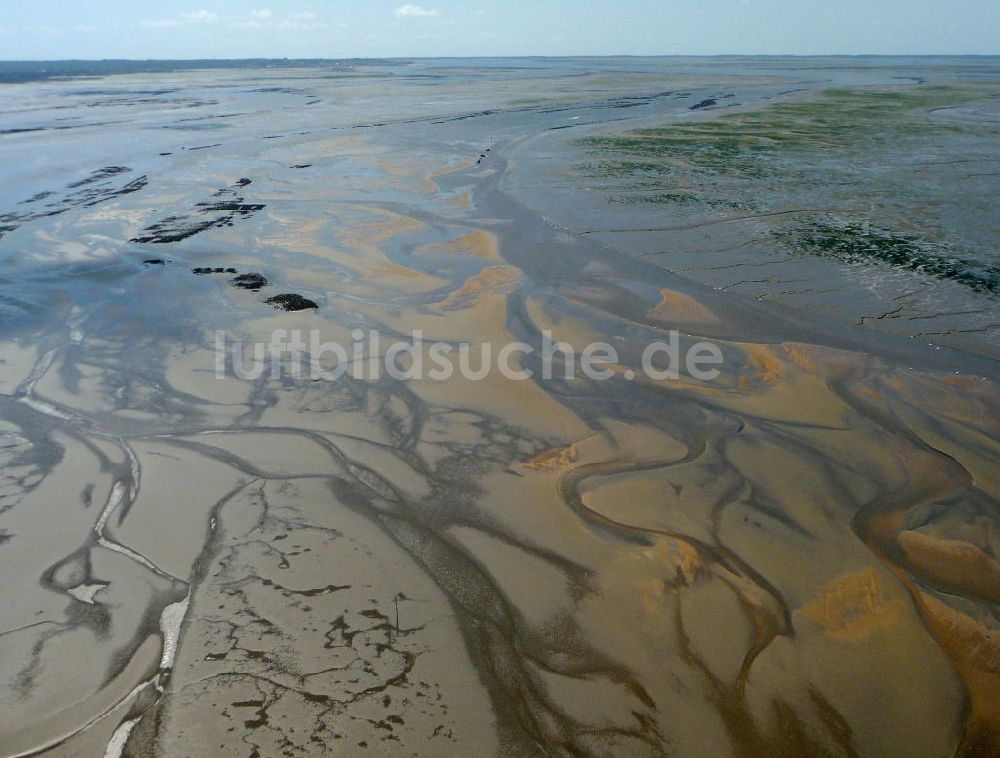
794	557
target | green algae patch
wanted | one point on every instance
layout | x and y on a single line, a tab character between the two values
856	160
864	243
749	144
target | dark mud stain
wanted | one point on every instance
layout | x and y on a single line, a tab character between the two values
97	187
60	128
36	198
291	302
174	102
207	215
102	173
252	282
281	90
194	127
706	103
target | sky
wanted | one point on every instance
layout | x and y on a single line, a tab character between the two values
61	29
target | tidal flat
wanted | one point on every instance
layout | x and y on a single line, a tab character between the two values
798	557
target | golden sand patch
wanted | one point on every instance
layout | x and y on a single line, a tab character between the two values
978	646
964	381
478	243
954	563
493	280
368	235
868	393
463	199
975	652
391	270
555	457
768	364
414	172
851	607
682	556
799	355
650	590
452	169
676	306
295	235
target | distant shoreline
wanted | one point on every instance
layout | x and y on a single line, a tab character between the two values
22	71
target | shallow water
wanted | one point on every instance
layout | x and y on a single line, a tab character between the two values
795	558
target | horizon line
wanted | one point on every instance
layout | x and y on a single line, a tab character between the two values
489	57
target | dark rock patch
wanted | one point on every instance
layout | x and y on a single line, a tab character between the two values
215	270
302	165
96	176
291	302
706	103
97	187
252	282
236	207
155	262
282	90
36	198
212	215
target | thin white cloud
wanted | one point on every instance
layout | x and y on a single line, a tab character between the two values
415	11
196	17
260	18
199	17
302	21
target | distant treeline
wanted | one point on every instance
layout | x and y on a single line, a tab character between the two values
29	71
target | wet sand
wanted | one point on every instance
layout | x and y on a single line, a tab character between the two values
797	558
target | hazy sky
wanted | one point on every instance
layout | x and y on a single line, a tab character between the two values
46	29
